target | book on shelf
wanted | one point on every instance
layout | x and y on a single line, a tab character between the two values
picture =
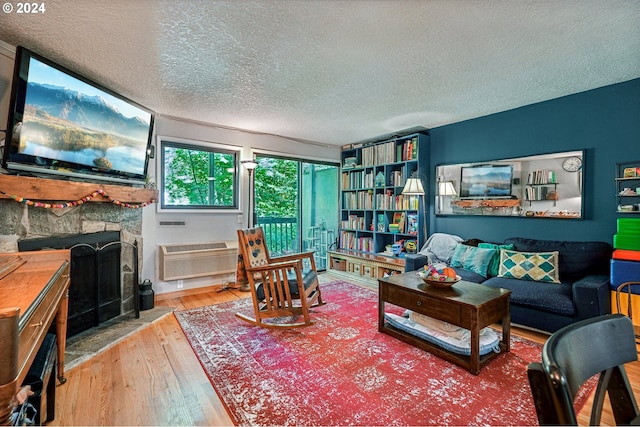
412	224
541	193
407	150
399	219
541	176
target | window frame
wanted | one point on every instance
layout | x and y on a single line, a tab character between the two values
167	141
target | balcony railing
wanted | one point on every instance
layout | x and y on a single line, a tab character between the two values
281	234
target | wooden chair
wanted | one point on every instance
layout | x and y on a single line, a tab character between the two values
575	353
626	288
280	286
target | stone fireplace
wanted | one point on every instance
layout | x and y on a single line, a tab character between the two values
22	223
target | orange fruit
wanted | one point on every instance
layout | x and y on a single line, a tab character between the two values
449	272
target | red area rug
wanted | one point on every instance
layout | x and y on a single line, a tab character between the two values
342	371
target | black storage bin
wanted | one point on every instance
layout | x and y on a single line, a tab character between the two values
42	379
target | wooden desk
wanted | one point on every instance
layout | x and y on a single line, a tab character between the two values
32	296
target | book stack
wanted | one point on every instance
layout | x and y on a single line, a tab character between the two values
541	176
408	150
347	240
538	193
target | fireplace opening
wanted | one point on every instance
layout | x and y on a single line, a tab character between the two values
95	292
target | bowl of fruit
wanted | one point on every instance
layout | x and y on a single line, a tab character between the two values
438	278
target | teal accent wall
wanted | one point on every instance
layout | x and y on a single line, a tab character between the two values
605	122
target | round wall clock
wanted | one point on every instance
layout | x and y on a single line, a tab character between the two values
572	164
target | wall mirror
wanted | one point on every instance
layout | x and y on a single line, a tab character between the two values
540	186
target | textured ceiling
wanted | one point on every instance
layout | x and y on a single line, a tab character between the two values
337	71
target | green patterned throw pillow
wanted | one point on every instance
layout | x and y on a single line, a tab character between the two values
494	265
536	266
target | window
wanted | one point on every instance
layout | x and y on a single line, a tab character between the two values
197	175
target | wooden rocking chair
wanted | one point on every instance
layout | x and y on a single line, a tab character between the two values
280	287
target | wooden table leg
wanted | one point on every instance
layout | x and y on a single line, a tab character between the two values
506	328
474	359
380	314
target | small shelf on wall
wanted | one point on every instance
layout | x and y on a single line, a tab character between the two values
542	193
627	181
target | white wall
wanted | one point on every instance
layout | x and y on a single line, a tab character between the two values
205	227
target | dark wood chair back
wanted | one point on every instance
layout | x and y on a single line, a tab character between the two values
574	354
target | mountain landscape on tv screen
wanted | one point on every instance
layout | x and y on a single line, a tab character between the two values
90	112
70	126
495	176
488	182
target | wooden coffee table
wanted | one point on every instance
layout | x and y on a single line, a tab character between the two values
469	305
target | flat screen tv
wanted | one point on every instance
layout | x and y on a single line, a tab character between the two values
65	125
486	181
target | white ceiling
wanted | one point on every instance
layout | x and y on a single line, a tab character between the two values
337	71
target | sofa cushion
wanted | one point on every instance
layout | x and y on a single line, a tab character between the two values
537	295
472	258
494	265
575	259
308	278
535	266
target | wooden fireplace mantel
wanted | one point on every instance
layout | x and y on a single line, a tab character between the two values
60	190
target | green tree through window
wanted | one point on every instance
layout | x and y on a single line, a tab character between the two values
197	176
276	187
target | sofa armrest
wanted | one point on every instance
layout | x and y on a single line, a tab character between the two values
592	296
414	262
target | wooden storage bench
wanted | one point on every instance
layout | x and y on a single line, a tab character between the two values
363	266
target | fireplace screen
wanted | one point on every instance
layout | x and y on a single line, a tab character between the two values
95	293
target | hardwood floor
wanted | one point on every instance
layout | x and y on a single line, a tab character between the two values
154	378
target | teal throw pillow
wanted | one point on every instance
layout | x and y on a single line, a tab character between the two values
536	266
494	265
472	258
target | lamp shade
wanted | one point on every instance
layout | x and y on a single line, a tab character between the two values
249	164
446	189
413	187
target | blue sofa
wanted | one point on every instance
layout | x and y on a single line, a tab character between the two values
583	291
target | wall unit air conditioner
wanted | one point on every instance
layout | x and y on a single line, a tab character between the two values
189	260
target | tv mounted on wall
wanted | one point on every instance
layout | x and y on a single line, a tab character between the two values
65	125
486	181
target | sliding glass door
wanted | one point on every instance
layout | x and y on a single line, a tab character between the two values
296	203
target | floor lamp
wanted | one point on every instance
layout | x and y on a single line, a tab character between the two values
445	188
250	165
413	187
